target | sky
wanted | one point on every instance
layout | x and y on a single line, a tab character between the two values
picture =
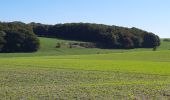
149	15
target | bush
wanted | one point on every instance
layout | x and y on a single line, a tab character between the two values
58	45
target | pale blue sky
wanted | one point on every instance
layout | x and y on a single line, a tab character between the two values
150	15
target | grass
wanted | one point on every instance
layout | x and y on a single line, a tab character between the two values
48	45
94	74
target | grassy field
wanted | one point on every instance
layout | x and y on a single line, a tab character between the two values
48	45
85	74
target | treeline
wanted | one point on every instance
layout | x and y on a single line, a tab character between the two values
109	36
17	37
166	40
21	37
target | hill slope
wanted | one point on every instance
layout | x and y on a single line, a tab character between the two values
48	48
140	74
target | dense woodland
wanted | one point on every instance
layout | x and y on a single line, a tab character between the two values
108	36
17	37
21	37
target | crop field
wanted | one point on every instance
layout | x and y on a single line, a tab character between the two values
85	74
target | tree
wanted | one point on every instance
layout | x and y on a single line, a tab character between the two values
31	42
166	40
151	40
105	36
127	43
2	40
137	41
41	30
20	41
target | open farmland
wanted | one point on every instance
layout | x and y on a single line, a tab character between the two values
74	74
85	50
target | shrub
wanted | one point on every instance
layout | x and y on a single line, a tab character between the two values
58	45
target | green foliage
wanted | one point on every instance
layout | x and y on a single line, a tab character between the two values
166	40
17	37
5	26
110	36
20	41
40	29
2	40
151	40
106	36
48	48
58	45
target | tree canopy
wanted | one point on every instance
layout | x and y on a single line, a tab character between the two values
17	37
20	37
109	36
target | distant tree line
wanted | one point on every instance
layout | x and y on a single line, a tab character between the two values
17	37
166	40
21	37
109	36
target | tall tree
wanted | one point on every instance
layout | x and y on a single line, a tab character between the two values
2	40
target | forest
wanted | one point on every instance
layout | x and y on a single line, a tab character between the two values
17	37
21	37
108	36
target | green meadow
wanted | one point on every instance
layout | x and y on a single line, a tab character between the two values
85	74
